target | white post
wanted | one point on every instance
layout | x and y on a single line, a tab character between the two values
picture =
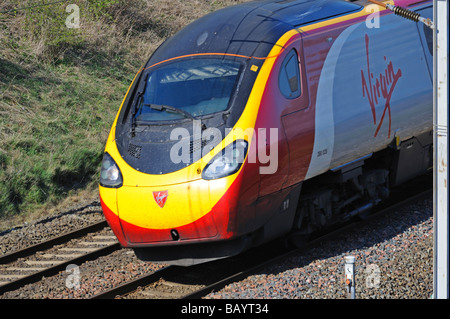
350	276
441	144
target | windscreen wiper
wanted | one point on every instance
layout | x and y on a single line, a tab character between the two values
172	109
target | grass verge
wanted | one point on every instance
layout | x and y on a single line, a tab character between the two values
61	87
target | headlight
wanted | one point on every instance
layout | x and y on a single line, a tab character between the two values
228	162
110	175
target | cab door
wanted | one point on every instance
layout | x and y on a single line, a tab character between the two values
284	98
297	116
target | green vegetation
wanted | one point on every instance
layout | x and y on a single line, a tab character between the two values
60	87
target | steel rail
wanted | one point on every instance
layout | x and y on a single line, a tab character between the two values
57	265
333	234
30	250
260	256
129	287
53	270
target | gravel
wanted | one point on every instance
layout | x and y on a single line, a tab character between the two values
36	231
82	281
88	279
394	259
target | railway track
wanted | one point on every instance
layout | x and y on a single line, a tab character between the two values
47	258
176	282
197	281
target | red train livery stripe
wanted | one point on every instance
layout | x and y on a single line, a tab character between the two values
356	94
219	223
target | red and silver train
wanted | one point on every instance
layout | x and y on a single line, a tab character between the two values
266	119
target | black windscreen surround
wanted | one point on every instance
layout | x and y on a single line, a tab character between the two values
205	74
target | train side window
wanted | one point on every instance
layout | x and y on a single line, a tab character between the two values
289	77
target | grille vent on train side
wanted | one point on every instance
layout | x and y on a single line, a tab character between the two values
135	150
196	145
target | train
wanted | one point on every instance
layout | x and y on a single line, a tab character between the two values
265	120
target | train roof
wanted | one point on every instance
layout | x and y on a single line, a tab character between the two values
302	12
249	29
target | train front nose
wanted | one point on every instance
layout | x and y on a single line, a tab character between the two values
164	214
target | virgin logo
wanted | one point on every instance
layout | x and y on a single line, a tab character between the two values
379	89
161	198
